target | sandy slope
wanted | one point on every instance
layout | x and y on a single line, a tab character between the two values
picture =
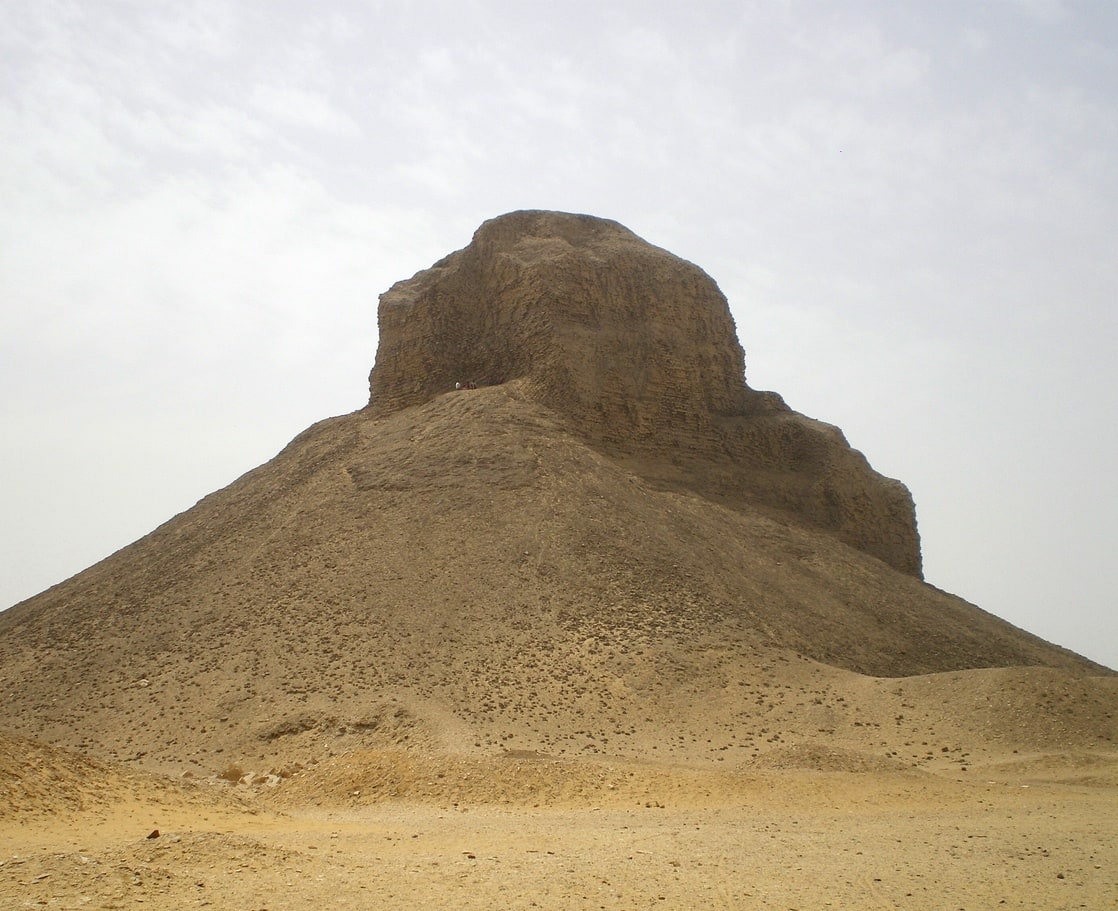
467	575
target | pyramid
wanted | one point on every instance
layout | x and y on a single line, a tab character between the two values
562	523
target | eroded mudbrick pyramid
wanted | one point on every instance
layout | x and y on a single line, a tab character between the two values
636	349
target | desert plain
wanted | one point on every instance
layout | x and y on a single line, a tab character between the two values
971	824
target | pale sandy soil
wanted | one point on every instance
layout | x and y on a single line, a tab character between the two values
1037	832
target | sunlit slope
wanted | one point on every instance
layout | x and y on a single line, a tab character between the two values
465	574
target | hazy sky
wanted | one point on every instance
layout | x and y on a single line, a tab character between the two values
911	206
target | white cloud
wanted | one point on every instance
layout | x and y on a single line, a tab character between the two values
1047	12
860	61
975	40
646	47
438	63
195	27
302	109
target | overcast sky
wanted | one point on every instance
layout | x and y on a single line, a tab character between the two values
911	206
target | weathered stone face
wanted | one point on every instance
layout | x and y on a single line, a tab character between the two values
620	335
636	349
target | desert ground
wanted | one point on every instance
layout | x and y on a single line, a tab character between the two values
970	826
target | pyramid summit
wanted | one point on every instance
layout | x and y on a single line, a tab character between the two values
636	349
623	337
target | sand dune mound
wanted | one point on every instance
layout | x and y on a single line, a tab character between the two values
35	778
41	782
824	757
